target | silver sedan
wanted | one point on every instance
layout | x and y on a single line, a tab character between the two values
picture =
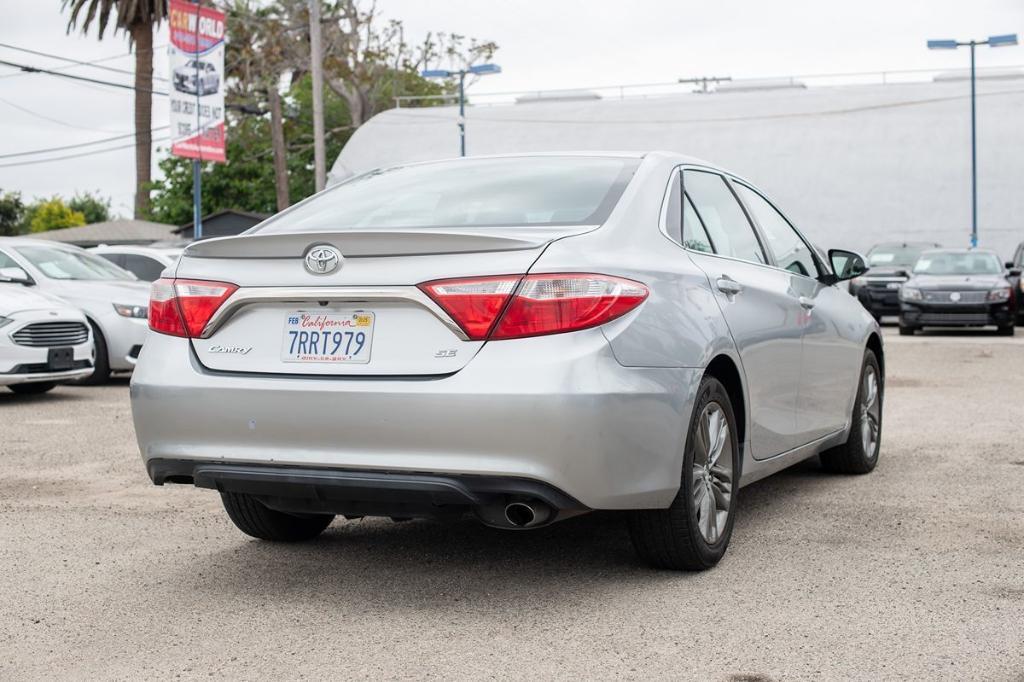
521	338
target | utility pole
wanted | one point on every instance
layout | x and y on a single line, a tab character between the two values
702	82
316	68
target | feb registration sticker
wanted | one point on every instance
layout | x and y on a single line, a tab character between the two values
328	337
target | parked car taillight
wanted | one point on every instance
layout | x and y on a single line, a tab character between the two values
511	307
182	307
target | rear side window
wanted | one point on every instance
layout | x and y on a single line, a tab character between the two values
145	268
791	252
507	192
695	237
725	222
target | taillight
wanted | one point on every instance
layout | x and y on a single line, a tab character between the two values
473	303
182	307
540	304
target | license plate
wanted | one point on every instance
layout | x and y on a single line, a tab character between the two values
342	337
58	359
894	285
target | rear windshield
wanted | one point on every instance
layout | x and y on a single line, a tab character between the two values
521	191
958	263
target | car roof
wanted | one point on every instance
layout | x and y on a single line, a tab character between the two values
987	252
903	245
13	241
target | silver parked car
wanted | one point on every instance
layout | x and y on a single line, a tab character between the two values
113	300
523	338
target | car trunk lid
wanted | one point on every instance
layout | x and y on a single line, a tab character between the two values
260	328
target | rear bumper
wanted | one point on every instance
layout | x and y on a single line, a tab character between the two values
977	315
557	411
368	493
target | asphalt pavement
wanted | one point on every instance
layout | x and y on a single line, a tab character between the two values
915	571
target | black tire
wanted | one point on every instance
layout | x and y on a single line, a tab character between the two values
1007	330
670	538
101	373
852	457
34	388
254	518
907	331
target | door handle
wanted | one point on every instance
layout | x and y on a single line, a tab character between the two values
728	286
806	302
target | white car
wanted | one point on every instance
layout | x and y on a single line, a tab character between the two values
114	301
43	341
145	262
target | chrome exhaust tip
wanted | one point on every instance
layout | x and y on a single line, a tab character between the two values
526	514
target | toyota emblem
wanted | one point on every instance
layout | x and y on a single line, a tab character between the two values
322	259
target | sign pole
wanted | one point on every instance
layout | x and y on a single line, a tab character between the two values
197	201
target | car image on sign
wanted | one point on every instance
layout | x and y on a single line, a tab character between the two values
328	337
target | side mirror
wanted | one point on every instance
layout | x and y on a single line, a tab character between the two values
16	275
1008	265
1014	272
845	265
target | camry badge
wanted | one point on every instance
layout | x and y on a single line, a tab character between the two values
322	259
955	296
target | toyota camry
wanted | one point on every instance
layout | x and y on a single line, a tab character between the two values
522	339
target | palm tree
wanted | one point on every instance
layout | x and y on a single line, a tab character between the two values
137	18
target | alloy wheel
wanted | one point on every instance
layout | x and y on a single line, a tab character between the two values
712	472
870	412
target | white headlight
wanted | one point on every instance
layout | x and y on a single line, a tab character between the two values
999	295
910	294
140	312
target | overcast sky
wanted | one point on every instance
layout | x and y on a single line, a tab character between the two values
544	44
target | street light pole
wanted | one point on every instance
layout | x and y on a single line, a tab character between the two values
992	41
476	70
974	158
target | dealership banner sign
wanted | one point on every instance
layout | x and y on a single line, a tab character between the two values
196	56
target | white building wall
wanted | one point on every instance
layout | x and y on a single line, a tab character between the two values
851	165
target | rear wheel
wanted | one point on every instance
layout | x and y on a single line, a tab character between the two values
1006	330
101	371
254	518
694	532
859	454
33	388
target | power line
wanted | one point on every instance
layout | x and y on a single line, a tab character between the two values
75	62
124	86
78	145
75	156
51	119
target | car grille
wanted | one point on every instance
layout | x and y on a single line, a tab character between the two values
953	318
965	296
50	334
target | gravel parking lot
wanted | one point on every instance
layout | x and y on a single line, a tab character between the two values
916	571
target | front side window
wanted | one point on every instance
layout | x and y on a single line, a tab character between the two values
7	262
726	224
523	192
791	252
58	263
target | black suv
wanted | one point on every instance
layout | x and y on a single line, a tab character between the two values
890	264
